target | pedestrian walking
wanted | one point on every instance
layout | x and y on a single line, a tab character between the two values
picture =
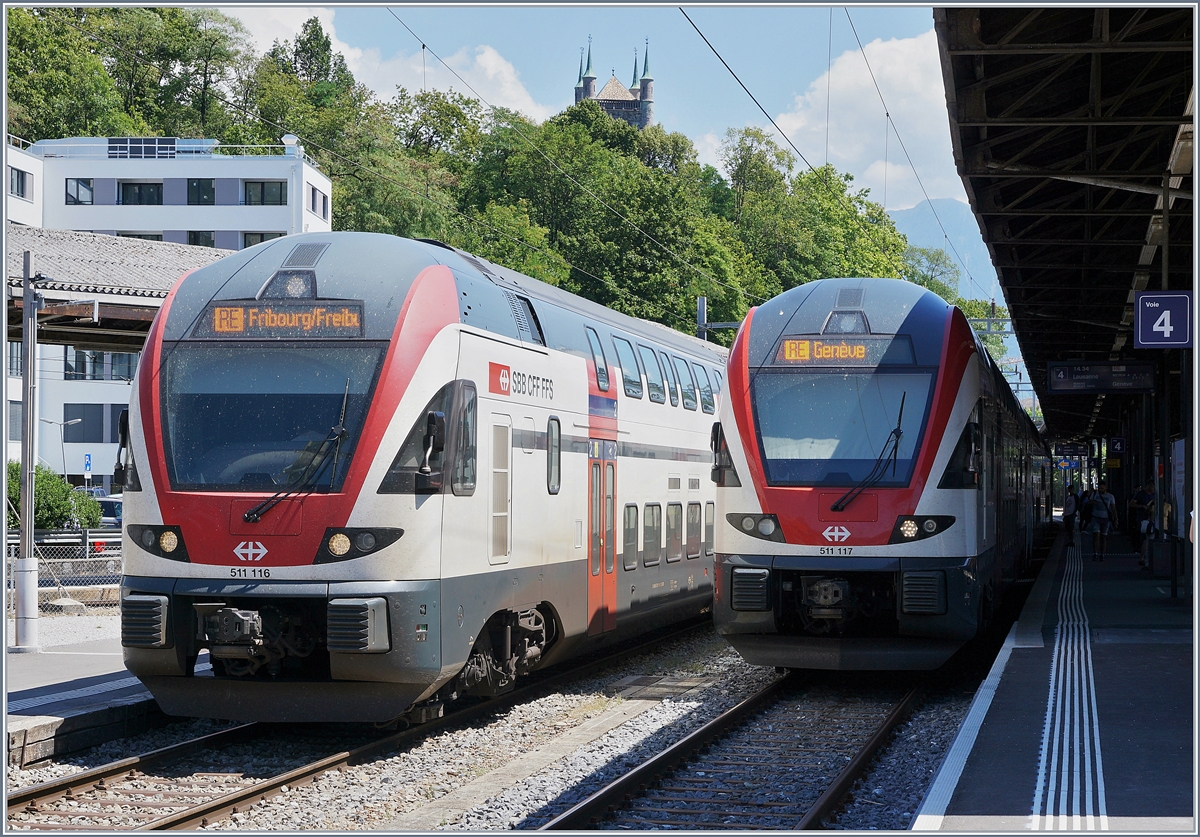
1070	509
1103	507
1141	521
1085	509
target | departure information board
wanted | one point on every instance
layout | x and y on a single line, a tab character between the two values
1105	376
258	319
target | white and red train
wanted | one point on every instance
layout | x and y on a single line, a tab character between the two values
369	474
878	483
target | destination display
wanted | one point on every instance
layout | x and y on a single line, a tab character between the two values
1117	376
1070	449
858	351
281	319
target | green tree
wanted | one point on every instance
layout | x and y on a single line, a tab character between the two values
755	164
447	127
932	268
56	85
506	236
614	134
56	505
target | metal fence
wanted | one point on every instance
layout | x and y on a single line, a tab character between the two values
79	568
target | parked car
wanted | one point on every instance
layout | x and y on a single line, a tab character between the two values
94	490
110	510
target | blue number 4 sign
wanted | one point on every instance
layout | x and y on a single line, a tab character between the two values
1164	319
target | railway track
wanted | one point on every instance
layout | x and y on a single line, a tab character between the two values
176	787
783	758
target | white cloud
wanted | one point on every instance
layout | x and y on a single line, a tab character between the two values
909	74
492	76
708	150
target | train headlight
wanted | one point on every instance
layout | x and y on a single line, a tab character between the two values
764	526
910	528
346	544
163	541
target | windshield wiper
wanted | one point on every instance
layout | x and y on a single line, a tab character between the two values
307	478
881	463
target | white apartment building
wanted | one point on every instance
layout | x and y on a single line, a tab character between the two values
185	191
172	190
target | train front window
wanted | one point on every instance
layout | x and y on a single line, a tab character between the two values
260	417
828	428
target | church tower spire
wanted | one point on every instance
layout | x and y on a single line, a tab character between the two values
635	86
579	83
589	77
646	104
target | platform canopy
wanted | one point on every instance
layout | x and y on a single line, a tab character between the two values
1069	125
100	291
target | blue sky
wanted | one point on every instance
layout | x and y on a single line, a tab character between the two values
527	58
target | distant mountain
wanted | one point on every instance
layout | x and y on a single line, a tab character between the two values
922	230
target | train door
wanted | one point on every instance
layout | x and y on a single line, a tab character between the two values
602	543
500	528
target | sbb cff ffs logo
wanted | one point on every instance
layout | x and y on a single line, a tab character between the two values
499	379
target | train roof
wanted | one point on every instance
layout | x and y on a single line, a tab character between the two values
379	269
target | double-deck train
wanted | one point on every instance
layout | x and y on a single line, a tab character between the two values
367	475
878	483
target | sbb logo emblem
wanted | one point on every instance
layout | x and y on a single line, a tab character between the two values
499	378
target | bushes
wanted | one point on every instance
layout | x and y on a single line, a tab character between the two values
56	504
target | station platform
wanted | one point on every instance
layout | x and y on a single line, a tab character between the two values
1085	721
67	698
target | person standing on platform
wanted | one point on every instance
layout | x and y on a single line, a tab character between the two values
1141	521
1103	517
1070	509
1085	509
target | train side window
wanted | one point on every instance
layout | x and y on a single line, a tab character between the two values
670	372
630	551
400	477
553	455
706	397
598	359
718	381
630	373
686	385
463	481
654	379
652	535
674	531
501	488
693	530
710	514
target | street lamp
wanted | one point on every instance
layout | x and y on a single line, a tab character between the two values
62	448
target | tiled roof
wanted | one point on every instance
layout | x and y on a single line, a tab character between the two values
615	90
92	262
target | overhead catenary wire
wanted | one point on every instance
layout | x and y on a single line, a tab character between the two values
704	274
616	289
904	148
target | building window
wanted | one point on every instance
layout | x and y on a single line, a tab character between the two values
83	365
141	194
266	193
325	207
318	202
14	421
201	192
20	183
79	191
143	236
124	365
114	422
16	355
250	239
91	429
200	238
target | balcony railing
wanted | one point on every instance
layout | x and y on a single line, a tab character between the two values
188	150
